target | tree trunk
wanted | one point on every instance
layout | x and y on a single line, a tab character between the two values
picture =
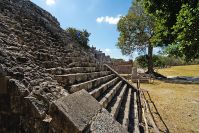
150	59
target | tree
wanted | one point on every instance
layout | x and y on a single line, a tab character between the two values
158	60
176	25
81	37
186	31
136	31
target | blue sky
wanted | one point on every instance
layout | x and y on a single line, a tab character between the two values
99	17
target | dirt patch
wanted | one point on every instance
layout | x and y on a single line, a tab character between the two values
177	105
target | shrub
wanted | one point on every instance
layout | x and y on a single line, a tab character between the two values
163	61
81	37
158	61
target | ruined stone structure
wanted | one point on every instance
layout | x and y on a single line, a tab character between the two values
48	84
100	56
121	66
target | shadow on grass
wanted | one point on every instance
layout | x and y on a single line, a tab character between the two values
149	100
177	79
181	80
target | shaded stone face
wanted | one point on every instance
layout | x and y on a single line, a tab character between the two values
2	71
3	84
30	40
74	113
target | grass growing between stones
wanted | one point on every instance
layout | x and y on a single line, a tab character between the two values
188	70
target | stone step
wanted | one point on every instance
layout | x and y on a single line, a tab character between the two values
61	71
82	64
78	59
108	97
105	123
70	79
136	121
125	122
90	84
74	53
97	92
118	100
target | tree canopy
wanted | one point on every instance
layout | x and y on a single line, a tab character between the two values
176	25
81	37
136	31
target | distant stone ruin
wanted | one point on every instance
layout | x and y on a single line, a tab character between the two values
49	84
100	56
121	66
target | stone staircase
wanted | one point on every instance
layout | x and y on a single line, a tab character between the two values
50	84
112	92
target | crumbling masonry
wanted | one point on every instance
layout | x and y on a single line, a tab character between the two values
50	84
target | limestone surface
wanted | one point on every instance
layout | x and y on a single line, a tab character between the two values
51	84
75	112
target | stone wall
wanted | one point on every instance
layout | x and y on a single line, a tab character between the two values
122	67
100	56
31	41
35	54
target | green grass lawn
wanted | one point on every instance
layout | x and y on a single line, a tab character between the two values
188	70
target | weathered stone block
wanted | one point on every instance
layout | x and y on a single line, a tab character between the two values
16	104
35	108
32	125
134	72
17	89
2	71
3	85
85	85
73	113
105	123
4	102
9	121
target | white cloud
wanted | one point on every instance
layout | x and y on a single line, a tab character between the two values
100	19
109	19
115	53
50	2
107	50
